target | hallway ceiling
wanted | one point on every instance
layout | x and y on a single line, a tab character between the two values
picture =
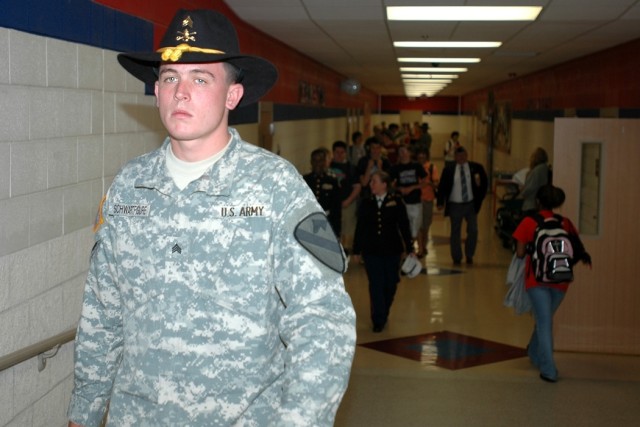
354	38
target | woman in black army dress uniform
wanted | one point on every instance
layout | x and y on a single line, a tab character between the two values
382	236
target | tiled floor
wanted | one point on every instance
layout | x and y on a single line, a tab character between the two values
448	349
452	355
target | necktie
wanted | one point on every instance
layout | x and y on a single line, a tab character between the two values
463	183
380	200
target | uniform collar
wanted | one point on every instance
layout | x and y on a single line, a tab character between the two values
216	181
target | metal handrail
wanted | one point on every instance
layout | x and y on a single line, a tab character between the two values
40	350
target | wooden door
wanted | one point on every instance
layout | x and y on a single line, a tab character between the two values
601	310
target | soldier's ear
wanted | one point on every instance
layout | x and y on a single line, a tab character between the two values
234	95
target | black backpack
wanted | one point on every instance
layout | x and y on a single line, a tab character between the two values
552	253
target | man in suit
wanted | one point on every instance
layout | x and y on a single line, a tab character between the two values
462	189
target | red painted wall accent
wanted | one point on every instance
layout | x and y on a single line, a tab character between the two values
292	65
605	79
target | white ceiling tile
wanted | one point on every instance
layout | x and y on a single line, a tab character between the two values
353	38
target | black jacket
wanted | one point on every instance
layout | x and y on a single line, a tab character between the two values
382	231
327	192
479	185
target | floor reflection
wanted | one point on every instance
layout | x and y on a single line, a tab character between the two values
448	349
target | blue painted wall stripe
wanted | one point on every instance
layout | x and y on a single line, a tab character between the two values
79	21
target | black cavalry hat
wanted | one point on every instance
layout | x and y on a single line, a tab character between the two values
203	36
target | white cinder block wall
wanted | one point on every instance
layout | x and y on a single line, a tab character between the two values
70	117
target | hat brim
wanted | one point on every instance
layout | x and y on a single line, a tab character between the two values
259	75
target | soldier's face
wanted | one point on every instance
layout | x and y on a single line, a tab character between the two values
194	99
378	187
318	163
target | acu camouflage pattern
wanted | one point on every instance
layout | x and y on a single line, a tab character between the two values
198	312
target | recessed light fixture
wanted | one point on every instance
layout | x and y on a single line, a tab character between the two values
463	13
432	69
441	60
447	44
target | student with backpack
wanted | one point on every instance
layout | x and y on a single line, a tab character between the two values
552	246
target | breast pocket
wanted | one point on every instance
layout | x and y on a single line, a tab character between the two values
236	265
150	264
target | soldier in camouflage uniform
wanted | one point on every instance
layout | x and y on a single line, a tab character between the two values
215	293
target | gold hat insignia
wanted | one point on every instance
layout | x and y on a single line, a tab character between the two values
174	53
186	35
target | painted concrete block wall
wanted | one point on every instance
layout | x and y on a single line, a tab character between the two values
295	140
70	117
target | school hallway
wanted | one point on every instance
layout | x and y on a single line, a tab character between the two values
453	355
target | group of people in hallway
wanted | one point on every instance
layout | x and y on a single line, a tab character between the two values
396	211
389	192
215	293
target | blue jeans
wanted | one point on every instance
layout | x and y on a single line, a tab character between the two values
544	301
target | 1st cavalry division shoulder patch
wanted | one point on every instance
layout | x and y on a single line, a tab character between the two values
315	234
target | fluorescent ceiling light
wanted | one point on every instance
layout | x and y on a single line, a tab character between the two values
422	90
423	87
419	85
432	70
448	44
421	44
463	13
427	90
429	76
426	81
442	60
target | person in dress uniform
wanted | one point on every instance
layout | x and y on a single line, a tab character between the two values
326	189
382	236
